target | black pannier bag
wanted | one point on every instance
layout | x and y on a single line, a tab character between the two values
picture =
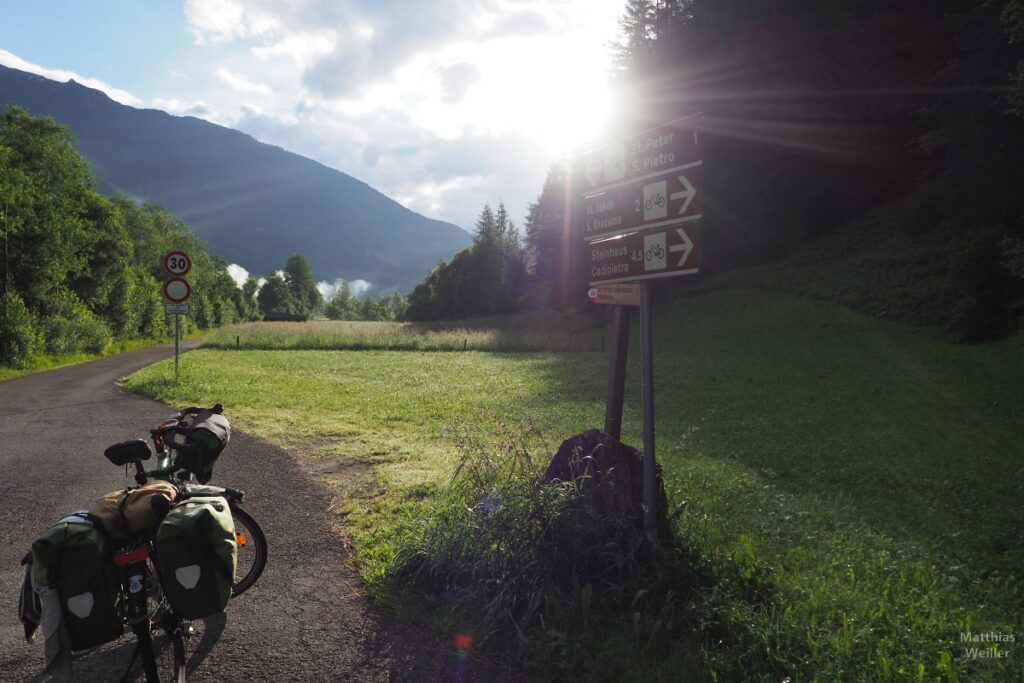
206	437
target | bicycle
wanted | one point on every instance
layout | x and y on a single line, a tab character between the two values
146	608
251	556
250	541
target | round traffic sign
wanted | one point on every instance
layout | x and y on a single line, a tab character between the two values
177	263
177	290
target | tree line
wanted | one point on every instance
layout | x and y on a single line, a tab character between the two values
488	278
292	294
79	269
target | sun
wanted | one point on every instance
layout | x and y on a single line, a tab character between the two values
552	89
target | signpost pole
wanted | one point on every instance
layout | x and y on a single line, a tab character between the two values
177	291
647	389
177	336
617	373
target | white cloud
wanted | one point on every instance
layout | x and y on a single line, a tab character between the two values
15	62
238	274
222	21
431	197
241	83
302	48
329	290
179	108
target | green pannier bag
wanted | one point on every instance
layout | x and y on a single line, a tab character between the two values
205	439
195	553
75	557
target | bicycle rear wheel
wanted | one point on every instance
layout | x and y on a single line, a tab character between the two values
252	550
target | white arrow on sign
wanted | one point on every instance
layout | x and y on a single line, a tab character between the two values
594	171
686	247
687	195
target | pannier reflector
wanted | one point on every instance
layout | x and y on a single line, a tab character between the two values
81	605
188	576
125	559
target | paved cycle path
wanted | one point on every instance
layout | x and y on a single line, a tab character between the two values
305	620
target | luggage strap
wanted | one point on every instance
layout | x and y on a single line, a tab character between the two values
122	519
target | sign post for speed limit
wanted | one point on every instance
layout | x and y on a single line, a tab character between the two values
177	291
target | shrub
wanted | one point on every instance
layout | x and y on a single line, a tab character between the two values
71	328
18	339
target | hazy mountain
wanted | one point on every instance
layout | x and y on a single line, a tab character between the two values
253	203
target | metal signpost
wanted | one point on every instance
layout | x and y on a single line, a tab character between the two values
641	208
177	291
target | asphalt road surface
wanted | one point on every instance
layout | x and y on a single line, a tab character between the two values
305	620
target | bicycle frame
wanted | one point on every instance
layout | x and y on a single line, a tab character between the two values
131	564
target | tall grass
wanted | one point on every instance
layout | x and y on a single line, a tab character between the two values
534	569
542	331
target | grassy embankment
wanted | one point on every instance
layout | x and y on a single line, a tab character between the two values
873	469
919	259
40	363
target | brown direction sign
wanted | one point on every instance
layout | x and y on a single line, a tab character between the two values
645	255
639	205
656	151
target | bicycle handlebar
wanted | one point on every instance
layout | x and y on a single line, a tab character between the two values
179	428
193	410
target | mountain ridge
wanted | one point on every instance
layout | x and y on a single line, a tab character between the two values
252	202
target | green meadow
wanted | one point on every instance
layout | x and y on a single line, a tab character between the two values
853	487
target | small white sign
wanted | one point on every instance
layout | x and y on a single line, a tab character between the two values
654	251
656	201
180	309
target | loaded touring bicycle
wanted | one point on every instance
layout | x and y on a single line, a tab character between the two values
148	558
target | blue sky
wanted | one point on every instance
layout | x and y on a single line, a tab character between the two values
442	104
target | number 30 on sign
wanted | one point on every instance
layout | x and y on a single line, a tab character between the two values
177	263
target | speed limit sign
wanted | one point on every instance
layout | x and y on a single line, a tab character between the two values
177	263
177	290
